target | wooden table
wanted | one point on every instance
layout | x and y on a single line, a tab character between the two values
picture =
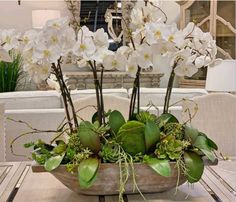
18	184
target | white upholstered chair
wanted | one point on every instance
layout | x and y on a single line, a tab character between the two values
86	111
216	117
2	133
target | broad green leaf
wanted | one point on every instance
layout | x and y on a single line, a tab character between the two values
53	162
88	137
194	166
95	117
211	143
190	133
162	167
152	135
201	143
116	120
85	185
87	170
166	118
131	137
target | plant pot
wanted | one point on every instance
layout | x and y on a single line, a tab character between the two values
107	182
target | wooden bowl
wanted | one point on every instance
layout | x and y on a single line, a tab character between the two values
107	182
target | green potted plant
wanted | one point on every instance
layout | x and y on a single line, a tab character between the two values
11	71
111	155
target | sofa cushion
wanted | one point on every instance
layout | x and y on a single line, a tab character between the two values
157	95
31	100
41	119
120	92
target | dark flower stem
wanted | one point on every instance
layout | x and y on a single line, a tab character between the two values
98	92
169	89
135	93
68	94
64	97
101	96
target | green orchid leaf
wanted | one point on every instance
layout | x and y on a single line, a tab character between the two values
190	133
162	167
211	143
95	117
194	166
85	185
87	170
88	137
53	162
152	135
116	120
166	118
201	143
131	137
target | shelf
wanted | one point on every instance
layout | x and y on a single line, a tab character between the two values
191	83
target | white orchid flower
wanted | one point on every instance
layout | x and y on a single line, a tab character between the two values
28	39
101	38
161	63
185	69
162	47
201	61
184	63
100	54
115	61
67	41
47	53
9	38
57	24
191	30
154	32
144	56
132	66
4	55
53	82
83	33
142	14
84	48
124	50
38	72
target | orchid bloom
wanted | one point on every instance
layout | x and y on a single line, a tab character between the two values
4	55
144	56
115	62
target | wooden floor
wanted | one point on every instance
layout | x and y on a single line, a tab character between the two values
18	183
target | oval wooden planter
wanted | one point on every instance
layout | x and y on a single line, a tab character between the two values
107	182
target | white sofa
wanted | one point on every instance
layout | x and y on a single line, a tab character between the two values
44	110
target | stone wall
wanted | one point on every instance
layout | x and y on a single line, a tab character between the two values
84	80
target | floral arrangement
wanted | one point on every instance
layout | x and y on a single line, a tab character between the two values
109	138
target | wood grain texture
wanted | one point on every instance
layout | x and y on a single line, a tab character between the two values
107	182
226	170
43	187
222	179
13	173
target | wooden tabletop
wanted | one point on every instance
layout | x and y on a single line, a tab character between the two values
18	183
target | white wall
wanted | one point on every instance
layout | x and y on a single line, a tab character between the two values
19	17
